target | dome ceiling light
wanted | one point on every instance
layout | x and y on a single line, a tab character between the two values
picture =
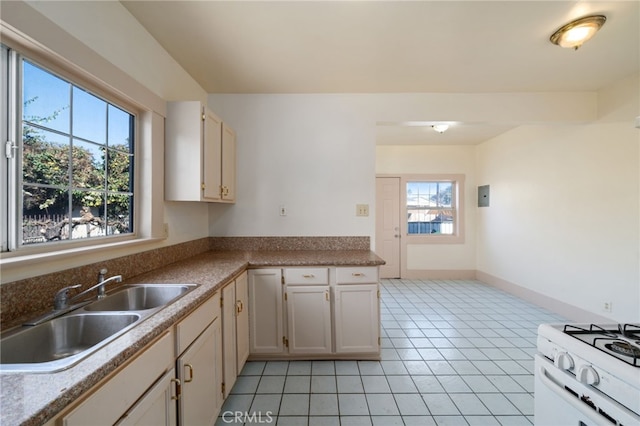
575	33
440	128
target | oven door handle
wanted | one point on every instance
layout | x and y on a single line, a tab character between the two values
548	381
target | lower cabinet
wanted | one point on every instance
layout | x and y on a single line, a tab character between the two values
309	319
157	407
328	312
199	364
357	323
198	369
134	390
266	332
235	330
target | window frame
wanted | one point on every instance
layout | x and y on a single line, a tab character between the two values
13	182
458	196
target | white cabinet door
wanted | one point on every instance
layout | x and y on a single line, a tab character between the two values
228	184
157	407
309	319
266	334
199	370
242	321
194	154
229	337
117	395
212	157
357	318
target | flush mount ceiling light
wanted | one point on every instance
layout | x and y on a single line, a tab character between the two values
440	128
575	33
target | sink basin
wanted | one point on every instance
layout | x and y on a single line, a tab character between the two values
140	297
59	343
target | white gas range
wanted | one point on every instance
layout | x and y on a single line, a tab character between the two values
587	374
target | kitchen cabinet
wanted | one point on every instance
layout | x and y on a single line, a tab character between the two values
135	381
308	319
228	172
266	331
200	159
329	313
235	330
199	366
357	313
157	407
308	308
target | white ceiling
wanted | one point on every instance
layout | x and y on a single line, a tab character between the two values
394	47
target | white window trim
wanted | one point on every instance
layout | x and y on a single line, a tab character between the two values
112	84
459	235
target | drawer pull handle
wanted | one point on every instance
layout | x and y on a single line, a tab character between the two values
358	274
190	367
308	275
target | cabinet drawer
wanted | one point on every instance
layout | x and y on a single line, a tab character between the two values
317	276
357	275
121	391
192	326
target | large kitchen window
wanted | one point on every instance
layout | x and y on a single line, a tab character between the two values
69	161
433	207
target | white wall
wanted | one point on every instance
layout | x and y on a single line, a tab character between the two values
564	216
313	154
104	40
417	159
111	31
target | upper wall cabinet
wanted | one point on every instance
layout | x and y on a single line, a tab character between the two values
200	155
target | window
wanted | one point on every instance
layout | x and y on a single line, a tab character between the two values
71	172
433	207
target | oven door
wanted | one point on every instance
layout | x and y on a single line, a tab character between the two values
561	400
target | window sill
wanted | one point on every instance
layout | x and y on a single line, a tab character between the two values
14	265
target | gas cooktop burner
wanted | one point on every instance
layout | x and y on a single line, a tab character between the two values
616	340
624	348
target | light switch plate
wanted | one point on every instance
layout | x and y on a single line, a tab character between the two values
362	209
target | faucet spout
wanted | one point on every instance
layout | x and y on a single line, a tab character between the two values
100	287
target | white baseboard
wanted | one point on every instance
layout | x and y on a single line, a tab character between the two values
439	274
568	311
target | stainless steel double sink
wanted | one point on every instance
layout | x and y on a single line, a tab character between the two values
61	342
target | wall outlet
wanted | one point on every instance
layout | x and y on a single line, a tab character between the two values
362	209
606	307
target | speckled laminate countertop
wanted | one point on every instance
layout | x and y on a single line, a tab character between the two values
33	399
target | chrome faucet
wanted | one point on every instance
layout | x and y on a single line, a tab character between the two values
61	300
103	283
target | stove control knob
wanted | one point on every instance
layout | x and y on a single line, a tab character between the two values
563	361
588	375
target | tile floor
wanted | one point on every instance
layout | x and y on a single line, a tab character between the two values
453	353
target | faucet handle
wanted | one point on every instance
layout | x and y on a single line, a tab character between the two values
62	297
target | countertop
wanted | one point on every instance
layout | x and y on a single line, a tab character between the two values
33	399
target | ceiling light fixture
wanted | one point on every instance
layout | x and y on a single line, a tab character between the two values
440	128
575	33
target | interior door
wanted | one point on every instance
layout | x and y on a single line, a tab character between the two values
388	225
